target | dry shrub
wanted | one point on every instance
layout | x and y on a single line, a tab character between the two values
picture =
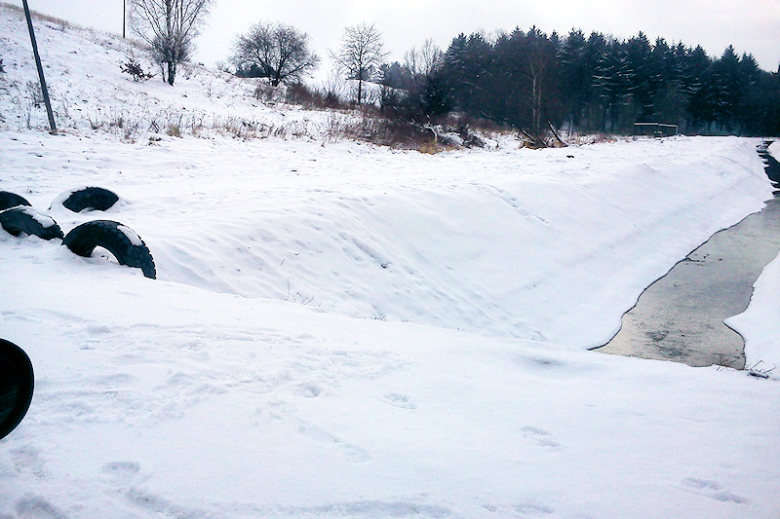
302	95
132	67
430	148
63	24
369	125
593	138
299	94
268	94
115	122
173	128
244	129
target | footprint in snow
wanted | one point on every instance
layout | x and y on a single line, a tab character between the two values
98	329
310	390
399	400
121	468
713	490
523	509
36	507
532	510
161	507
26	459
539	437
351	452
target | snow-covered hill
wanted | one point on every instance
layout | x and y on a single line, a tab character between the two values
89	91
345	330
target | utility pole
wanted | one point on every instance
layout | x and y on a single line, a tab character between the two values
124	17
52	124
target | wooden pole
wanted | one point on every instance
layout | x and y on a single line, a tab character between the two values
52	124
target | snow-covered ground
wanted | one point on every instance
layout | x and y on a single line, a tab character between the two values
774	150
343	330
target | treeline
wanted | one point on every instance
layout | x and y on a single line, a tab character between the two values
597	83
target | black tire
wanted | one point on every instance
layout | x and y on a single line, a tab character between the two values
93	198
126	246
16	386
9	200
26	220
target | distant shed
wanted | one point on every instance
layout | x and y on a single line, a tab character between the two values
655	129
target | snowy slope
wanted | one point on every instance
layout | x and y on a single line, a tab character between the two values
89	92
508	243
341	330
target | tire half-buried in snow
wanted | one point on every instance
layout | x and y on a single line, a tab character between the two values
95	198
8	200
27	220
16	386
127	247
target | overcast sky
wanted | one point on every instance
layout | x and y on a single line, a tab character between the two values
751	26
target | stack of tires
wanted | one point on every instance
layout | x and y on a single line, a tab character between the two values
17	217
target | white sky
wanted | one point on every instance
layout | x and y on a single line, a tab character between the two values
752	26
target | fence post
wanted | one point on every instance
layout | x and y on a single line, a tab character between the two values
52	124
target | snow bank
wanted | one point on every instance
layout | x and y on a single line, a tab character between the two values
760	323
511	243
774	150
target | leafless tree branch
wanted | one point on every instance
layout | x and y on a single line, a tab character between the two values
279	52
169	27
360	55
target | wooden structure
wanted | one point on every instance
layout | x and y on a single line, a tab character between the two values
655	129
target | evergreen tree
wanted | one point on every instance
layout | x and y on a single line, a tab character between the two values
576	78
640	77
527	79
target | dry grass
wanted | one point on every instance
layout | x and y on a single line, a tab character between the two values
63	24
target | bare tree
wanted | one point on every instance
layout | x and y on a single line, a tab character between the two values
278	52
169	27
360	55
426	61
